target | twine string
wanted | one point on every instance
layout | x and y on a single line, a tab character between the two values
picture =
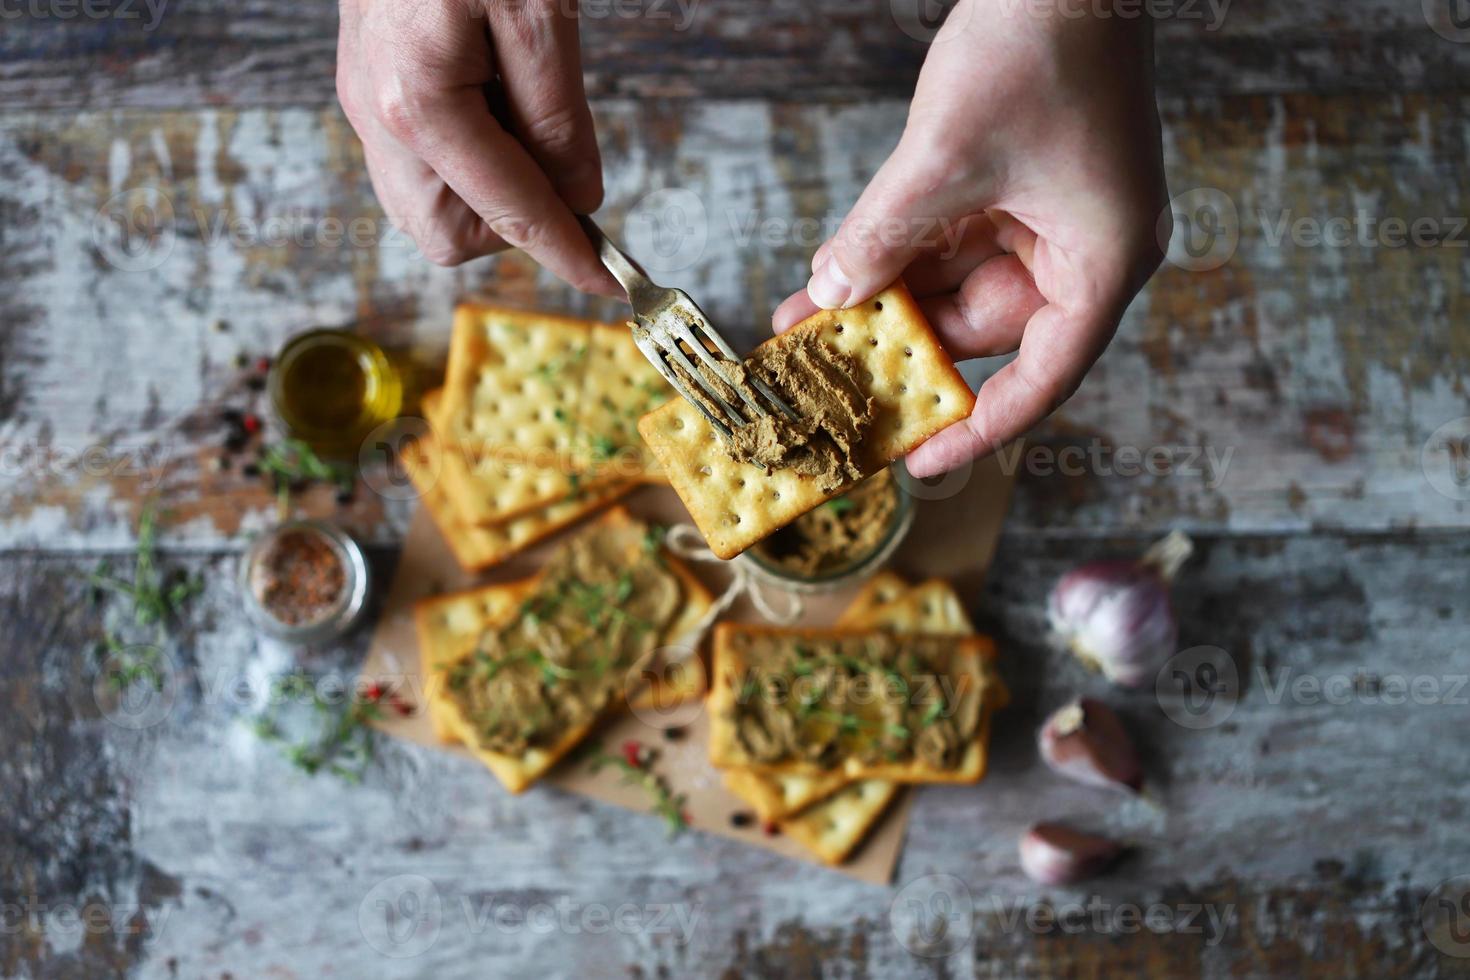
684	541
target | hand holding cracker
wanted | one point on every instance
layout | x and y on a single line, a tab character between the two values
883	353
1020	206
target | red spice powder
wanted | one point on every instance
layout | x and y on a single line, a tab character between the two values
300	578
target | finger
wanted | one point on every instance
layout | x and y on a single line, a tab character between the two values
423	207
1055	353
442	116
988	314
1013	236
540	65
792	311
904	210
950	262
820	256
457	136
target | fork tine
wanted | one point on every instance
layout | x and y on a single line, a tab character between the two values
775	399
706	332
674	351
693	335
655	355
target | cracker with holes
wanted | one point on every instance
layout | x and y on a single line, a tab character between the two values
868	385
560	393
834	828
447	624
778	795
489	490
830	815
479	546
527	688
869	704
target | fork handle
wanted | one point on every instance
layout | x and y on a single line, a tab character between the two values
629	274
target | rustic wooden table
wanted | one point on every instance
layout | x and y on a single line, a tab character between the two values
1304	403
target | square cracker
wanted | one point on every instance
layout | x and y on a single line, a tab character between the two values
486	489
558	392
775	796
834	826
619	388
885	602
973	655
778	795
476	546
444	623
519	772
916	392
884	586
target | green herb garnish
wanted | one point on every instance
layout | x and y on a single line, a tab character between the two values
603	448
839	505
343	744
294	461
157	598
666	803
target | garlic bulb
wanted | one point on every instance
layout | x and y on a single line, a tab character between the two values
1052	854
1086	741
1117	615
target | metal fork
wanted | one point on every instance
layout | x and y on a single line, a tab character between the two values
666	321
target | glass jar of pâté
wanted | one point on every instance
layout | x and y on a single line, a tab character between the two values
839	542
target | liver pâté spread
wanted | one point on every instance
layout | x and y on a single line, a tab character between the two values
818	382
602	607
877	697
837	533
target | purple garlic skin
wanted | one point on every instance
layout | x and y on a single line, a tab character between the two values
1117	615
1086	741
1053	854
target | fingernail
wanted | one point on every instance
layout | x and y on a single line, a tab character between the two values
829	287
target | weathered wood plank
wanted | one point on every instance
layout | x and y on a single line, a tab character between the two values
1295	386
161	54
1311	827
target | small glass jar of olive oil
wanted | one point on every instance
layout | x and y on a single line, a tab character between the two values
331	388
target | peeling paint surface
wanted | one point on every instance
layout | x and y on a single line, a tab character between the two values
1295	387
175	202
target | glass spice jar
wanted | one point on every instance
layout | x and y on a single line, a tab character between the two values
304	582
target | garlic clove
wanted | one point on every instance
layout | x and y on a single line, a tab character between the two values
1052	854
1086	741
1117	615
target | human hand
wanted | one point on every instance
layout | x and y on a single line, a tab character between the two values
1020	205
417	79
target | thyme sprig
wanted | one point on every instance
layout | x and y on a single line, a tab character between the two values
636	763
343	741
157	598
292	462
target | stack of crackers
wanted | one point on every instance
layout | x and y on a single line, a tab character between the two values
449	627
535	428
830	812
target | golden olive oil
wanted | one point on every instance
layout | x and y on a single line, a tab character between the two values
330	388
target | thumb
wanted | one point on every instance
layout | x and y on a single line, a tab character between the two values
906	209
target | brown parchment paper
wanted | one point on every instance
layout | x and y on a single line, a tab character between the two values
956	527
